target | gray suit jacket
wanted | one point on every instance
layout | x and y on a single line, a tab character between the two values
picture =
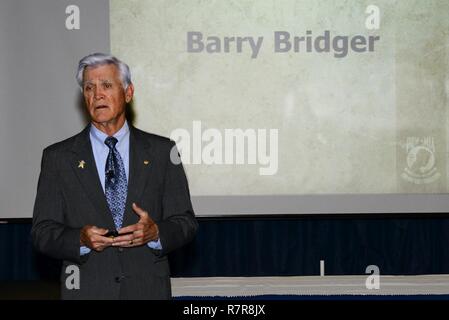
70	196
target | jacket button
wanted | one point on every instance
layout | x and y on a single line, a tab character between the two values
118	279
120	249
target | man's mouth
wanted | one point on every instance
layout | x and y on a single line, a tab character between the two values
101	106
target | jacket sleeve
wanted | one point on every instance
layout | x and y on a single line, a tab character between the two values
178	225
49	233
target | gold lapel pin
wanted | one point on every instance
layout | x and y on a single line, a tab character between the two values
146	162
81	164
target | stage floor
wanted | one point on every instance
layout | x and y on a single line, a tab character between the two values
310	285
270	287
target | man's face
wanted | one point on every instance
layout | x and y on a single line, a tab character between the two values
104	94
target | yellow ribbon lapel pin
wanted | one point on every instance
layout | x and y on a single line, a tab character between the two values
81	164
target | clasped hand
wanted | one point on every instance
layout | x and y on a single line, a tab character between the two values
142	232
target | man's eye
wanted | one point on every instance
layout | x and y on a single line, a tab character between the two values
87	88
107	85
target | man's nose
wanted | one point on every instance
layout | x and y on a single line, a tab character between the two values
99	94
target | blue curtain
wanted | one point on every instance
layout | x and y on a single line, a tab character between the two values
274	247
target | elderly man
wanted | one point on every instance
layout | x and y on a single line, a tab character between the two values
112	201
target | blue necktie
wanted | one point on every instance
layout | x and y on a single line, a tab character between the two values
116	185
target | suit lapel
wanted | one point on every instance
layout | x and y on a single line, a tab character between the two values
140	168
83	163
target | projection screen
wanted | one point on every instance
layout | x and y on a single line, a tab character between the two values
295	106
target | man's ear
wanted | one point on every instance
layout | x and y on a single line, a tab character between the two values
129	93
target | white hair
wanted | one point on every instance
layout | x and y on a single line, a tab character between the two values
100	59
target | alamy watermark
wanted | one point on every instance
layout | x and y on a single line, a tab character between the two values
372	282
227	147
72	21
72	282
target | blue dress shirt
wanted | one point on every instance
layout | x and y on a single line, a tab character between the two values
101	151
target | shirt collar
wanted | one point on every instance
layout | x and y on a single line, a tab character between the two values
100	136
